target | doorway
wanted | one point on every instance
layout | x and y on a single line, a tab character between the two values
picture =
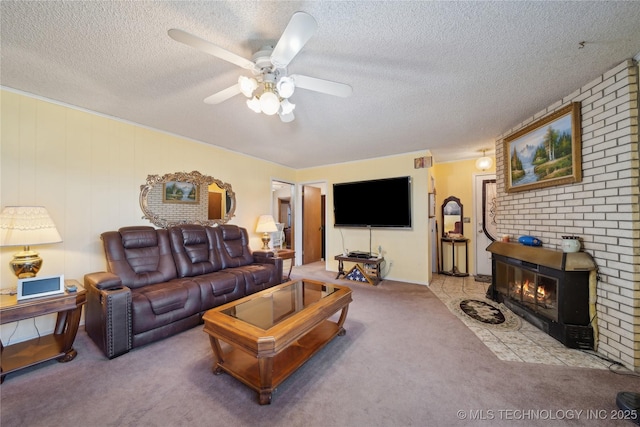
485	210
284	217
283	211
312	223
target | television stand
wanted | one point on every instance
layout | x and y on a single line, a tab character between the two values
372	265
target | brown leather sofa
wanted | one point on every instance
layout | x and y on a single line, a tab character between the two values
161	281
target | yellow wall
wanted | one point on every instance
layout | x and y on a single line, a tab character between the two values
87	170
406	252
456	179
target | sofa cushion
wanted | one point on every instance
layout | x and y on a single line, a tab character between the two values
165	300
157	305
233	246
257	276
219	287
194	250
139	258
138	237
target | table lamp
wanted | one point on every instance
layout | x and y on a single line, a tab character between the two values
26	226
266	225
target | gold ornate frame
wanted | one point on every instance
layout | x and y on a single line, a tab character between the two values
556	171
161	214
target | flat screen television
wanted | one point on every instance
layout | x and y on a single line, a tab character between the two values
374	203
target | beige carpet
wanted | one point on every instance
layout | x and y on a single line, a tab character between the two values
406	360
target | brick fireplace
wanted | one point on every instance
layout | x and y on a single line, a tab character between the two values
549	288
603	209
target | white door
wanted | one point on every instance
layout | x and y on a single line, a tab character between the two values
485	204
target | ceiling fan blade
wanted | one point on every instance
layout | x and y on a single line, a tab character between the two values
319	85
211	49
299	30
223	95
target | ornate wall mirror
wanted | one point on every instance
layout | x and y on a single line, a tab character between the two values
186	198
452	217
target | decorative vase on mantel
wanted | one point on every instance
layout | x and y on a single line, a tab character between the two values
571	244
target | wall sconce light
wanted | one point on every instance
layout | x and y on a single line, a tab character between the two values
266	225
26	226
484	162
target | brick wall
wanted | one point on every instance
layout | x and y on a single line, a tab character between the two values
179	212
603	209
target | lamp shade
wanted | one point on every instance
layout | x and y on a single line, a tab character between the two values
286	118
287	107
269	103
247	85
254	104
266	224
285	87
26	226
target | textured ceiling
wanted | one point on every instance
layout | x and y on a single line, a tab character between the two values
441	76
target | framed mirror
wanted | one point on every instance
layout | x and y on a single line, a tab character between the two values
452	224
186	198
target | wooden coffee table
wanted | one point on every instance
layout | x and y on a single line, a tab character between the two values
273	332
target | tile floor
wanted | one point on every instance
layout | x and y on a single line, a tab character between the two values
523	343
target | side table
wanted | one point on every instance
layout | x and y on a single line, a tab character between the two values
289	254
454	266
58	345
373	264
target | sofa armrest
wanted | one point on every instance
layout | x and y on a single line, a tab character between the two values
102	280
261	255
108	313
267	257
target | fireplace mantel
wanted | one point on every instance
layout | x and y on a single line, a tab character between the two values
558	260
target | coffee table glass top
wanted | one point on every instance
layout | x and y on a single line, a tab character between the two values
270	308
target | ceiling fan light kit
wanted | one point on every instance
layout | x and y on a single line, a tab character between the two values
269	101
247	85
287	107
272	100
286	86
269	65
286	118
254	104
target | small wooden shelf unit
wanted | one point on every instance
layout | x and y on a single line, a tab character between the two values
371	266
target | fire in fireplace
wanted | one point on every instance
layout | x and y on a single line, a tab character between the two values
551	289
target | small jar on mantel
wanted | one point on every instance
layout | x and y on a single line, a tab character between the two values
571	244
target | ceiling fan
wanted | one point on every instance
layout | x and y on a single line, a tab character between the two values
270	87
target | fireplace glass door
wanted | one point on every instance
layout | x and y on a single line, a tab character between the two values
537	292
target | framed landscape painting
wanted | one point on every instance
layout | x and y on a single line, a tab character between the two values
545	153
180	192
